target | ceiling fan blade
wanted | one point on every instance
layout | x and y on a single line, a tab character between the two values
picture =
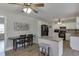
34	10
21	4
38	5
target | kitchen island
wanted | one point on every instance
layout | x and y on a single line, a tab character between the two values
55	44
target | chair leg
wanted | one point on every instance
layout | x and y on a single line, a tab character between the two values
48	51
16	46
24	45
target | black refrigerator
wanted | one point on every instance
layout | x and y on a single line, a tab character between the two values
44	30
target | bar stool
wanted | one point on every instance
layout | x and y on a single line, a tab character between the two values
44	49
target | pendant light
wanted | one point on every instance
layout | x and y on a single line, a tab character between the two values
59	22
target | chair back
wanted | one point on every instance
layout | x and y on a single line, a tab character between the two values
30	35
22	36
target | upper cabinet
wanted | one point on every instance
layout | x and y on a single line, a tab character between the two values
77	22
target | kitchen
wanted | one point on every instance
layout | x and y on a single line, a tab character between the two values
71	34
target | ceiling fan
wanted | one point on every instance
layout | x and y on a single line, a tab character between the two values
28	7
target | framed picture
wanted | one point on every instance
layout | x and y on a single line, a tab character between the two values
21	26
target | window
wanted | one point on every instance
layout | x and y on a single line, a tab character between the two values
1	28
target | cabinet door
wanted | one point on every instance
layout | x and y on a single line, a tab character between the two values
77	23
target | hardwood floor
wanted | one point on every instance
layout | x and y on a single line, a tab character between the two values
28	51
34	51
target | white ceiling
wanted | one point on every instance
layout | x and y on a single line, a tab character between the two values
50	12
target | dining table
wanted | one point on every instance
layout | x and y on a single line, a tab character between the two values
16	38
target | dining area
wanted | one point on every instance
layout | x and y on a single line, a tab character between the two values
22	41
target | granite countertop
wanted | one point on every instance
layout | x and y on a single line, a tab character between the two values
75	35
51	38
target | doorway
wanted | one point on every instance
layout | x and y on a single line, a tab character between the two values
2	35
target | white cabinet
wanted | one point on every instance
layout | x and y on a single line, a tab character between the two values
74	42
77	22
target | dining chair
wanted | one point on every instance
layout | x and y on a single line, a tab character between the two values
21	41
29	40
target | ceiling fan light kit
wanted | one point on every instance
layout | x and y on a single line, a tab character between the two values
24	10
27	10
